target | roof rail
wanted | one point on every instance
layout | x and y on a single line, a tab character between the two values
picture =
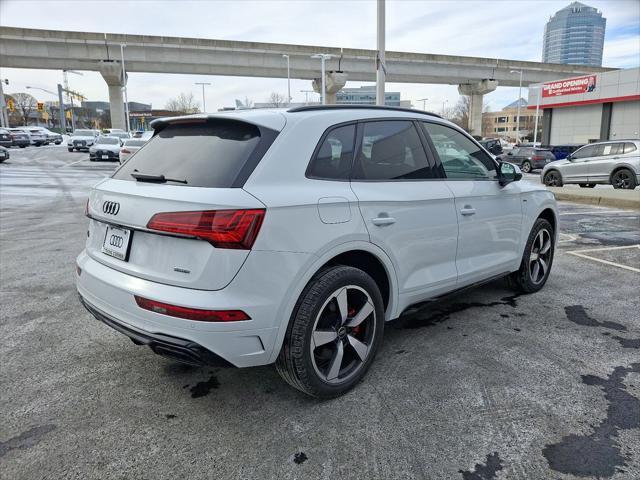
345	106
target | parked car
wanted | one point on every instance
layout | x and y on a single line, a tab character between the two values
129	147
613	162
528	158
52	137
562	151
493	145
81	139
5	138
105	148
36	136
120	135
4	154
217	244
19	138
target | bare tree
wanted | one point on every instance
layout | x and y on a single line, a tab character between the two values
24	104
183	103
276	100
248	102
461	112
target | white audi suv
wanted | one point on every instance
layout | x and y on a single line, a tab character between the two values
291	236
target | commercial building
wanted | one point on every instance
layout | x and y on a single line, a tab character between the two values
366	95
605	106
504	123
575	36
139	120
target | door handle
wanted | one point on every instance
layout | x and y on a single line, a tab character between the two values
468	210
381	221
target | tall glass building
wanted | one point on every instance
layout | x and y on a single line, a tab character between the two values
574	35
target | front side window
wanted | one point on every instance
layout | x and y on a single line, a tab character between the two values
333	159
391	150
585	152
461	158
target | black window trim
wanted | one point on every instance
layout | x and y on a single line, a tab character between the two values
473	140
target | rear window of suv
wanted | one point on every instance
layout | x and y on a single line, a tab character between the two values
214	154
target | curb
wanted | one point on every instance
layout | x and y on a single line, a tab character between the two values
602	200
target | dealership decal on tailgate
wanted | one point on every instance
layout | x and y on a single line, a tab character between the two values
116	242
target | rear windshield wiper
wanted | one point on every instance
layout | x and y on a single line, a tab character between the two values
144	177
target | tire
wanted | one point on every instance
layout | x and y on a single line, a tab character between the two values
310	367
22	146
528	278
70	149
623	179
526	167
587	185
552	179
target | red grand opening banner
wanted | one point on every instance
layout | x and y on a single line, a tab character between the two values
571	86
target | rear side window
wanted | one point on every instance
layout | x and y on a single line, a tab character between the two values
332	160
460	157
629	147
215	154
612	149
391	150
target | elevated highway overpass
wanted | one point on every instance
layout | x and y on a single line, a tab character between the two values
54	49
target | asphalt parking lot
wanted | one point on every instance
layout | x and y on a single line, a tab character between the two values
486	385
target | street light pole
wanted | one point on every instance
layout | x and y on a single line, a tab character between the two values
204	103
519	97
445	101
124	79
288	79
323	57
380	66
424	102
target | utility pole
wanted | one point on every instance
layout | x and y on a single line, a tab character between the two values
424	103
306	95
204	104
380	66
288	79
519	97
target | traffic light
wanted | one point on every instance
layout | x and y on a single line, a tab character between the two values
41	106
11	105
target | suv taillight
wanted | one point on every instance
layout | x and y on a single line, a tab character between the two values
191	313
538	157
235	229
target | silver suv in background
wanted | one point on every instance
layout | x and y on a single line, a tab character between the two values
613	162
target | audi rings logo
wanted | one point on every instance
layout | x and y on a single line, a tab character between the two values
111	208
116	241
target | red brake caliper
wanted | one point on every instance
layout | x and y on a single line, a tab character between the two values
351	312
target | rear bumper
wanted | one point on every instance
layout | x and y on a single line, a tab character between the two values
175	348
255	290
19	143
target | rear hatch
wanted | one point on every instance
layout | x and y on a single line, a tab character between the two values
175	213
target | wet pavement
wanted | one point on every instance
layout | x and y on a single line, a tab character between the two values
487	385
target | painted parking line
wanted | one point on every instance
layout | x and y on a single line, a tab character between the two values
566	237
608	212
582	254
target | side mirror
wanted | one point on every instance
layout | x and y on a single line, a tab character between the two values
569	157
508	172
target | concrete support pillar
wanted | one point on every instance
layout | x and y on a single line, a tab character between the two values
111	71
334	82
476	91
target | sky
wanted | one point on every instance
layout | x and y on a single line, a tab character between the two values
497	29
